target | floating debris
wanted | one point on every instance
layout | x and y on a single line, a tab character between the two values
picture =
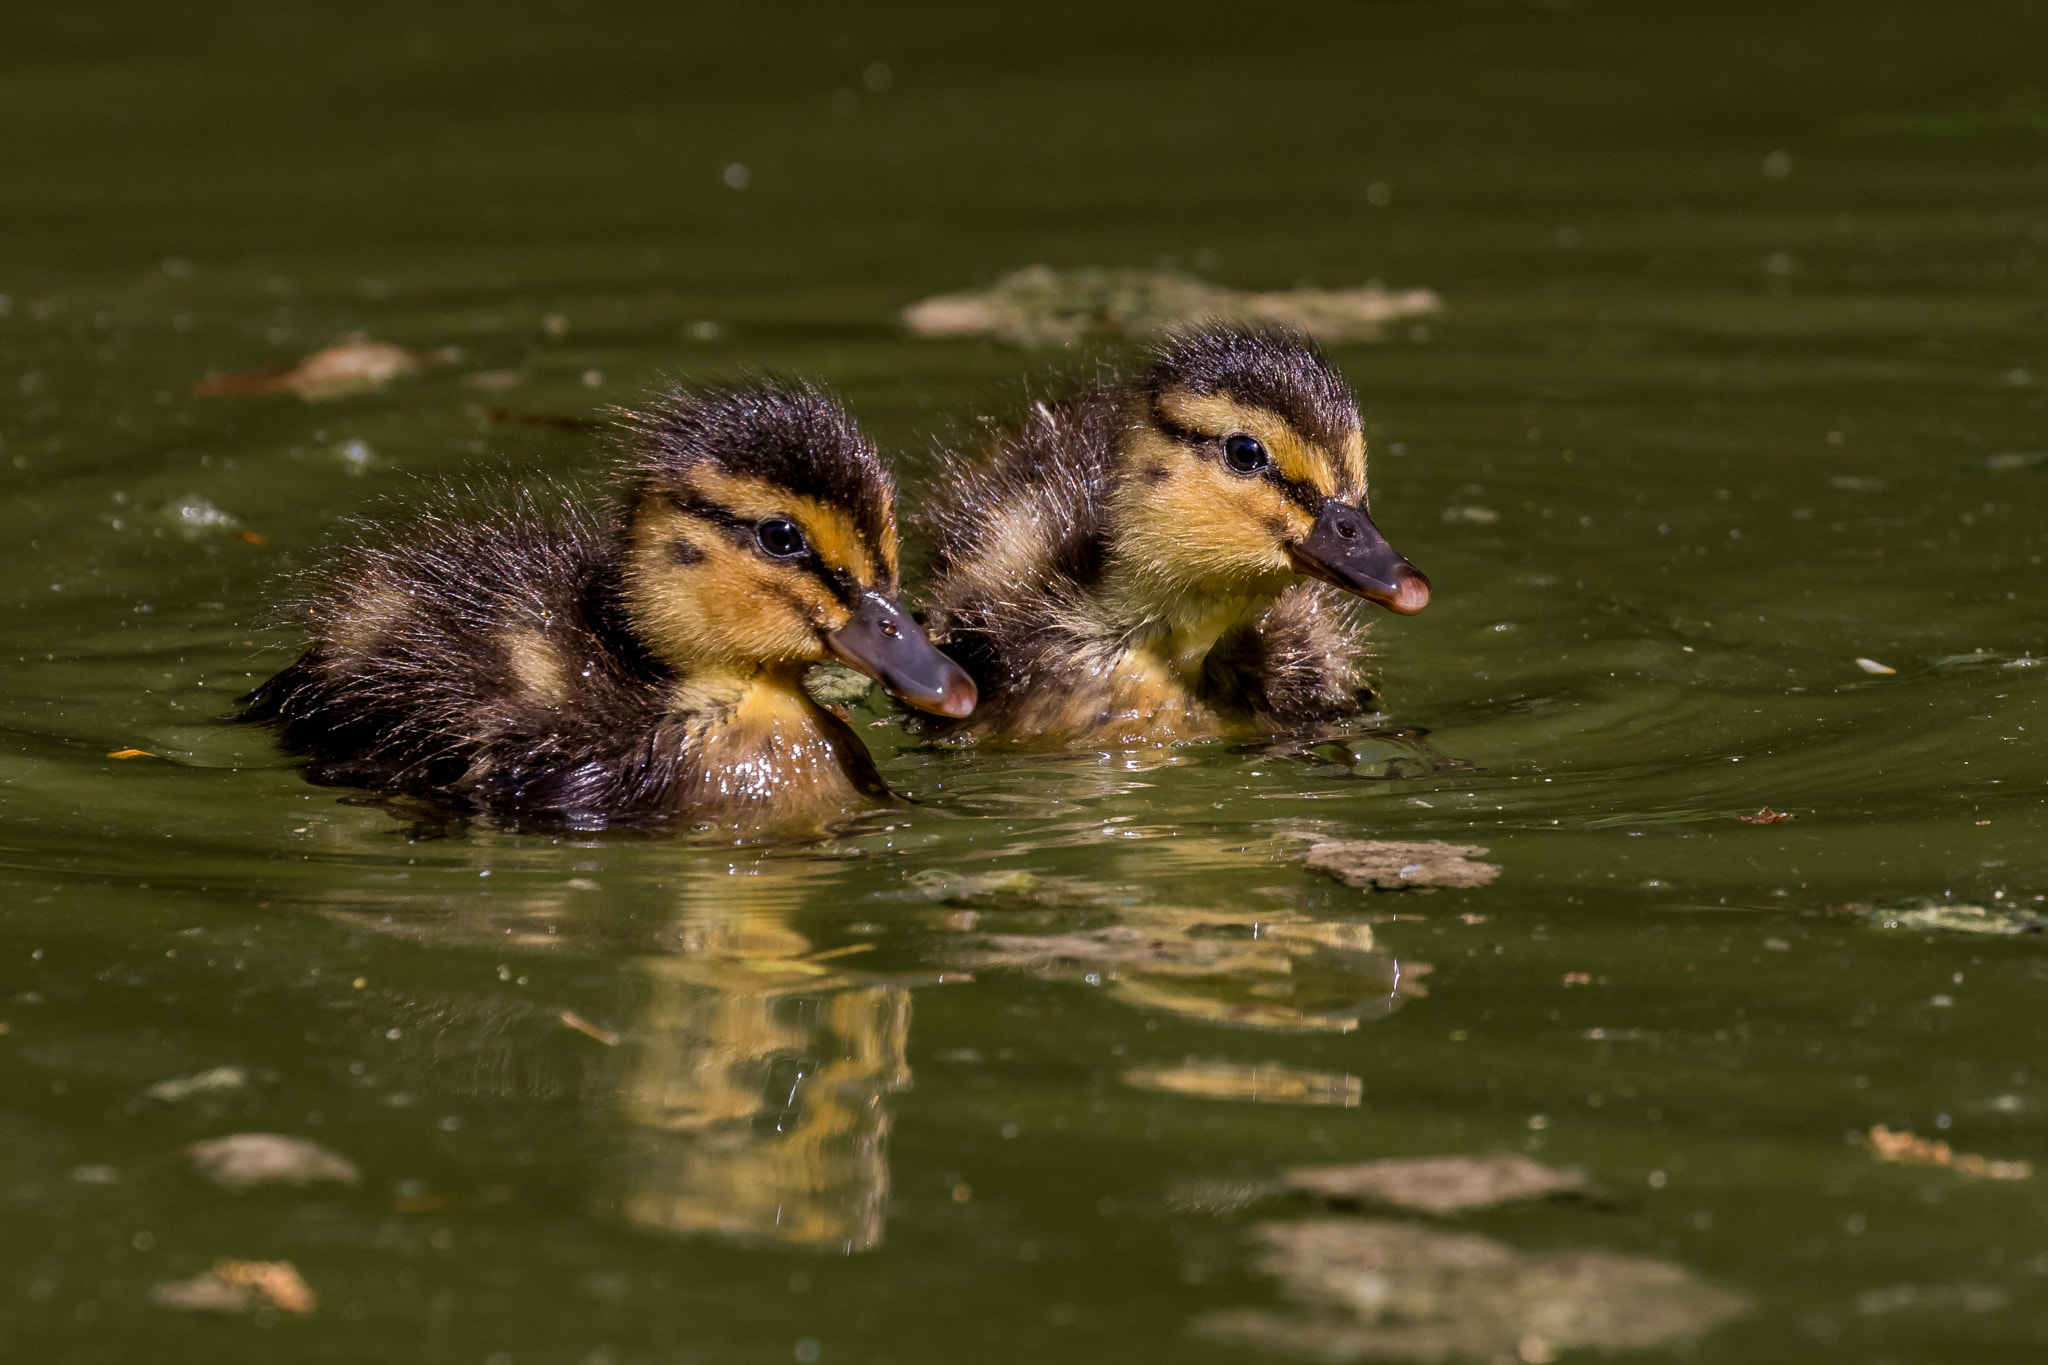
589	1030
1766	816
1219	1196
236	1286
130	753
252	537
1041	306
242	1161
1909	1149
1475	516
837	686
1873	666
1299	974
1440	1185
1250	1082
1398	865
493	381
210	1082
351	366
1393	1291
1955	918
2009	460
193	516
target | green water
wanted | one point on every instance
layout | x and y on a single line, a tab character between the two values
1743	305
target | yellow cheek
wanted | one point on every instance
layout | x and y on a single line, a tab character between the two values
729	608
1200	524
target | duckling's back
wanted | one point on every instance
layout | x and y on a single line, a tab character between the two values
485	659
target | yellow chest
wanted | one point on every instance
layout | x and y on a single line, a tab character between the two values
773	756
1152	693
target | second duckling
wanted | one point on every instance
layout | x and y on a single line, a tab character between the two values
550	666
1128	565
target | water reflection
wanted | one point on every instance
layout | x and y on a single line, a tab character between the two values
753	1096
1269	966
744	1088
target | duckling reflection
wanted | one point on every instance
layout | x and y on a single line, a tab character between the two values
753	1094
1268	967
746	1089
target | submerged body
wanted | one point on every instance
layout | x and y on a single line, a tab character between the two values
545	666
1133	565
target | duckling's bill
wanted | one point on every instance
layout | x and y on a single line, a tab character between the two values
1345	549
883	641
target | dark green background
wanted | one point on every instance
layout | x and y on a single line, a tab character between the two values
1647	342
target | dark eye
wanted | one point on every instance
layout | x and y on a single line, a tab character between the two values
1244	453
781	538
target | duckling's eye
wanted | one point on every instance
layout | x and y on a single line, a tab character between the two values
780	538
1244	453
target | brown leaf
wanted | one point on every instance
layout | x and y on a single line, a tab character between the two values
252	538
1910	1149
277	1281
1766	816
590	1030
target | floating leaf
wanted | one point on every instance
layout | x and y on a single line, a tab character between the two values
1255	1083
1910	1149
1398	865
1041	306
210	1082
1955	918
1392	1291
1438	1184
353	365
590	1030
241	1161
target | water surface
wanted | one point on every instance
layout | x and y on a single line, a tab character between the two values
1742	365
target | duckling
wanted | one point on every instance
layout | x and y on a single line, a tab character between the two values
1164	558
553	666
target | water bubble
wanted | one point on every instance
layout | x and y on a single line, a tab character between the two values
737	177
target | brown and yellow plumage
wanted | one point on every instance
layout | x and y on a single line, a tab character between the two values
1127	565
536	663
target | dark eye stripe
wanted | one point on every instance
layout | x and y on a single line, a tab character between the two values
1303	495
838	582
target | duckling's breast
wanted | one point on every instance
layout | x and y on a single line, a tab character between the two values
773	753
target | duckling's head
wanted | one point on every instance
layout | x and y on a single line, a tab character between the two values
1243	465
760	534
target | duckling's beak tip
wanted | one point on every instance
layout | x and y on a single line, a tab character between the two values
1410	595
959	698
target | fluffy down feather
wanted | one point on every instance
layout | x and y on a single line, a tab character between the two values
1020	537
